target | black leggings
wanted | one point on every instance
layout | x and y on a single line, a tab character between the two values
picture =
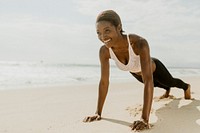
162	78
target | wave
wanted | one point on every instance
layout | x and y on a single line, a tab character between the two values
46	64
41	63
19	74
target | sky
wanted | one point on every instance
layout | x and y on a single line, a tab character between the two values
63	31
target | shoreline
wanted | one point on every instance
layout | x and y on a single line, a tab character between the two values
129	79
62	109
26	75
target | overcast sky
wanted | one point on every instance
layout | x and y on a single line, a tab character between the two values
64	30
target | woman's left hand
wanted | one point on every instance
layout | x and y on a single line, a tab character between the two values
139	125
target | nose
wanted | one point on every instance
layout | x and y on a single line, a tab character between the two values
104	37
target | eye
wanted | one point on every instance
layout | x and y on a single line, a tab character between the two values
98	33
107	31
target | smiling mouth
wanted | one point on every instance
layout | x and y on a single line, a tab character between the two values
106	41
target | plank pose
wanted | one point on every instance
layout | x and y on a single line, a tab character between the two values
131	53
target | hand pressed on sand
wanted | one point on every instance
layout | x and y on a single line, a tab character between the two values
92	118
139	125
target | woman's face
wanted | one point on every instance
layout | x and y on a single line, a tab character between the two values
107	33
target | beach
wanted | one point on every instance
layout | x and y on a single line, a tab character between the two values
61	109
50	66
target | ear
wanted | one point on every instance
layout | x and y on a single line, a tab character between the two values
119	27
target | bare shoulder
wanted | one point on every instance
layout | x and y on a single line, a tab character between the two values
134	37
138	43
104	52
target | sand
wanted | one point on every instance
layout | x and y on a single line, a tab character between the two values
61	109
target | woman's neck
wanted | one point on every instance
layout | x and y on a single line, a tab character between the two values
121	44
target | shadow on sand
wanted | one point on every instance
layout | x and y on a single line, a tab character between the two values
117	121
175	119
172	118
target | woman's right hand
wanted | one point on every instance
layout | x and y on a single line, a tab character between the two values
92	118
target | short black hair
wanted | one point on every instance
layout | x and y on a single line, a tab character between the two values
110	16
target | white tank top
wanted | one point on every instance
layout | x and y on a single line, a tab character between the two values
133	63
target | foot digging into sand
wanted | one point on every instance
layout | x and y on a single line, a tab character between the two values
165	95
187	93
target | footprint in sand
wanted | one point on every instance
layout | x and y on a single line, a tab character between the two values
136	110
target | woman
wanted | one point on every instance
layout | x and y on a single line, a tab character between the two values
130	53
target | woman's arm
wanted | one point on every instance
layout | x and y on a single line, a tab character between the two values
143	51
147	76
104	80
103	84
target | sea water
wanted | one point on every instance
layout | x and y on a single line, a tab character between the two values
33	74
15	75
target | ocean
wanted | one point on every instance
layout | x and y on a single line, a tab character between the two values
16	75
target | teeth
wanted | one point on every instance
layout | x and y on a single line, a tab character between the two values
107	40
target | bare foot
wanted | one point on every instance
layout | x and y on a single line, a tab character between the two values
165	95
187	93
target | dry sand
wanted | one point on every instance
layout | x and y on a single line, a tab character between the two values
62	109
